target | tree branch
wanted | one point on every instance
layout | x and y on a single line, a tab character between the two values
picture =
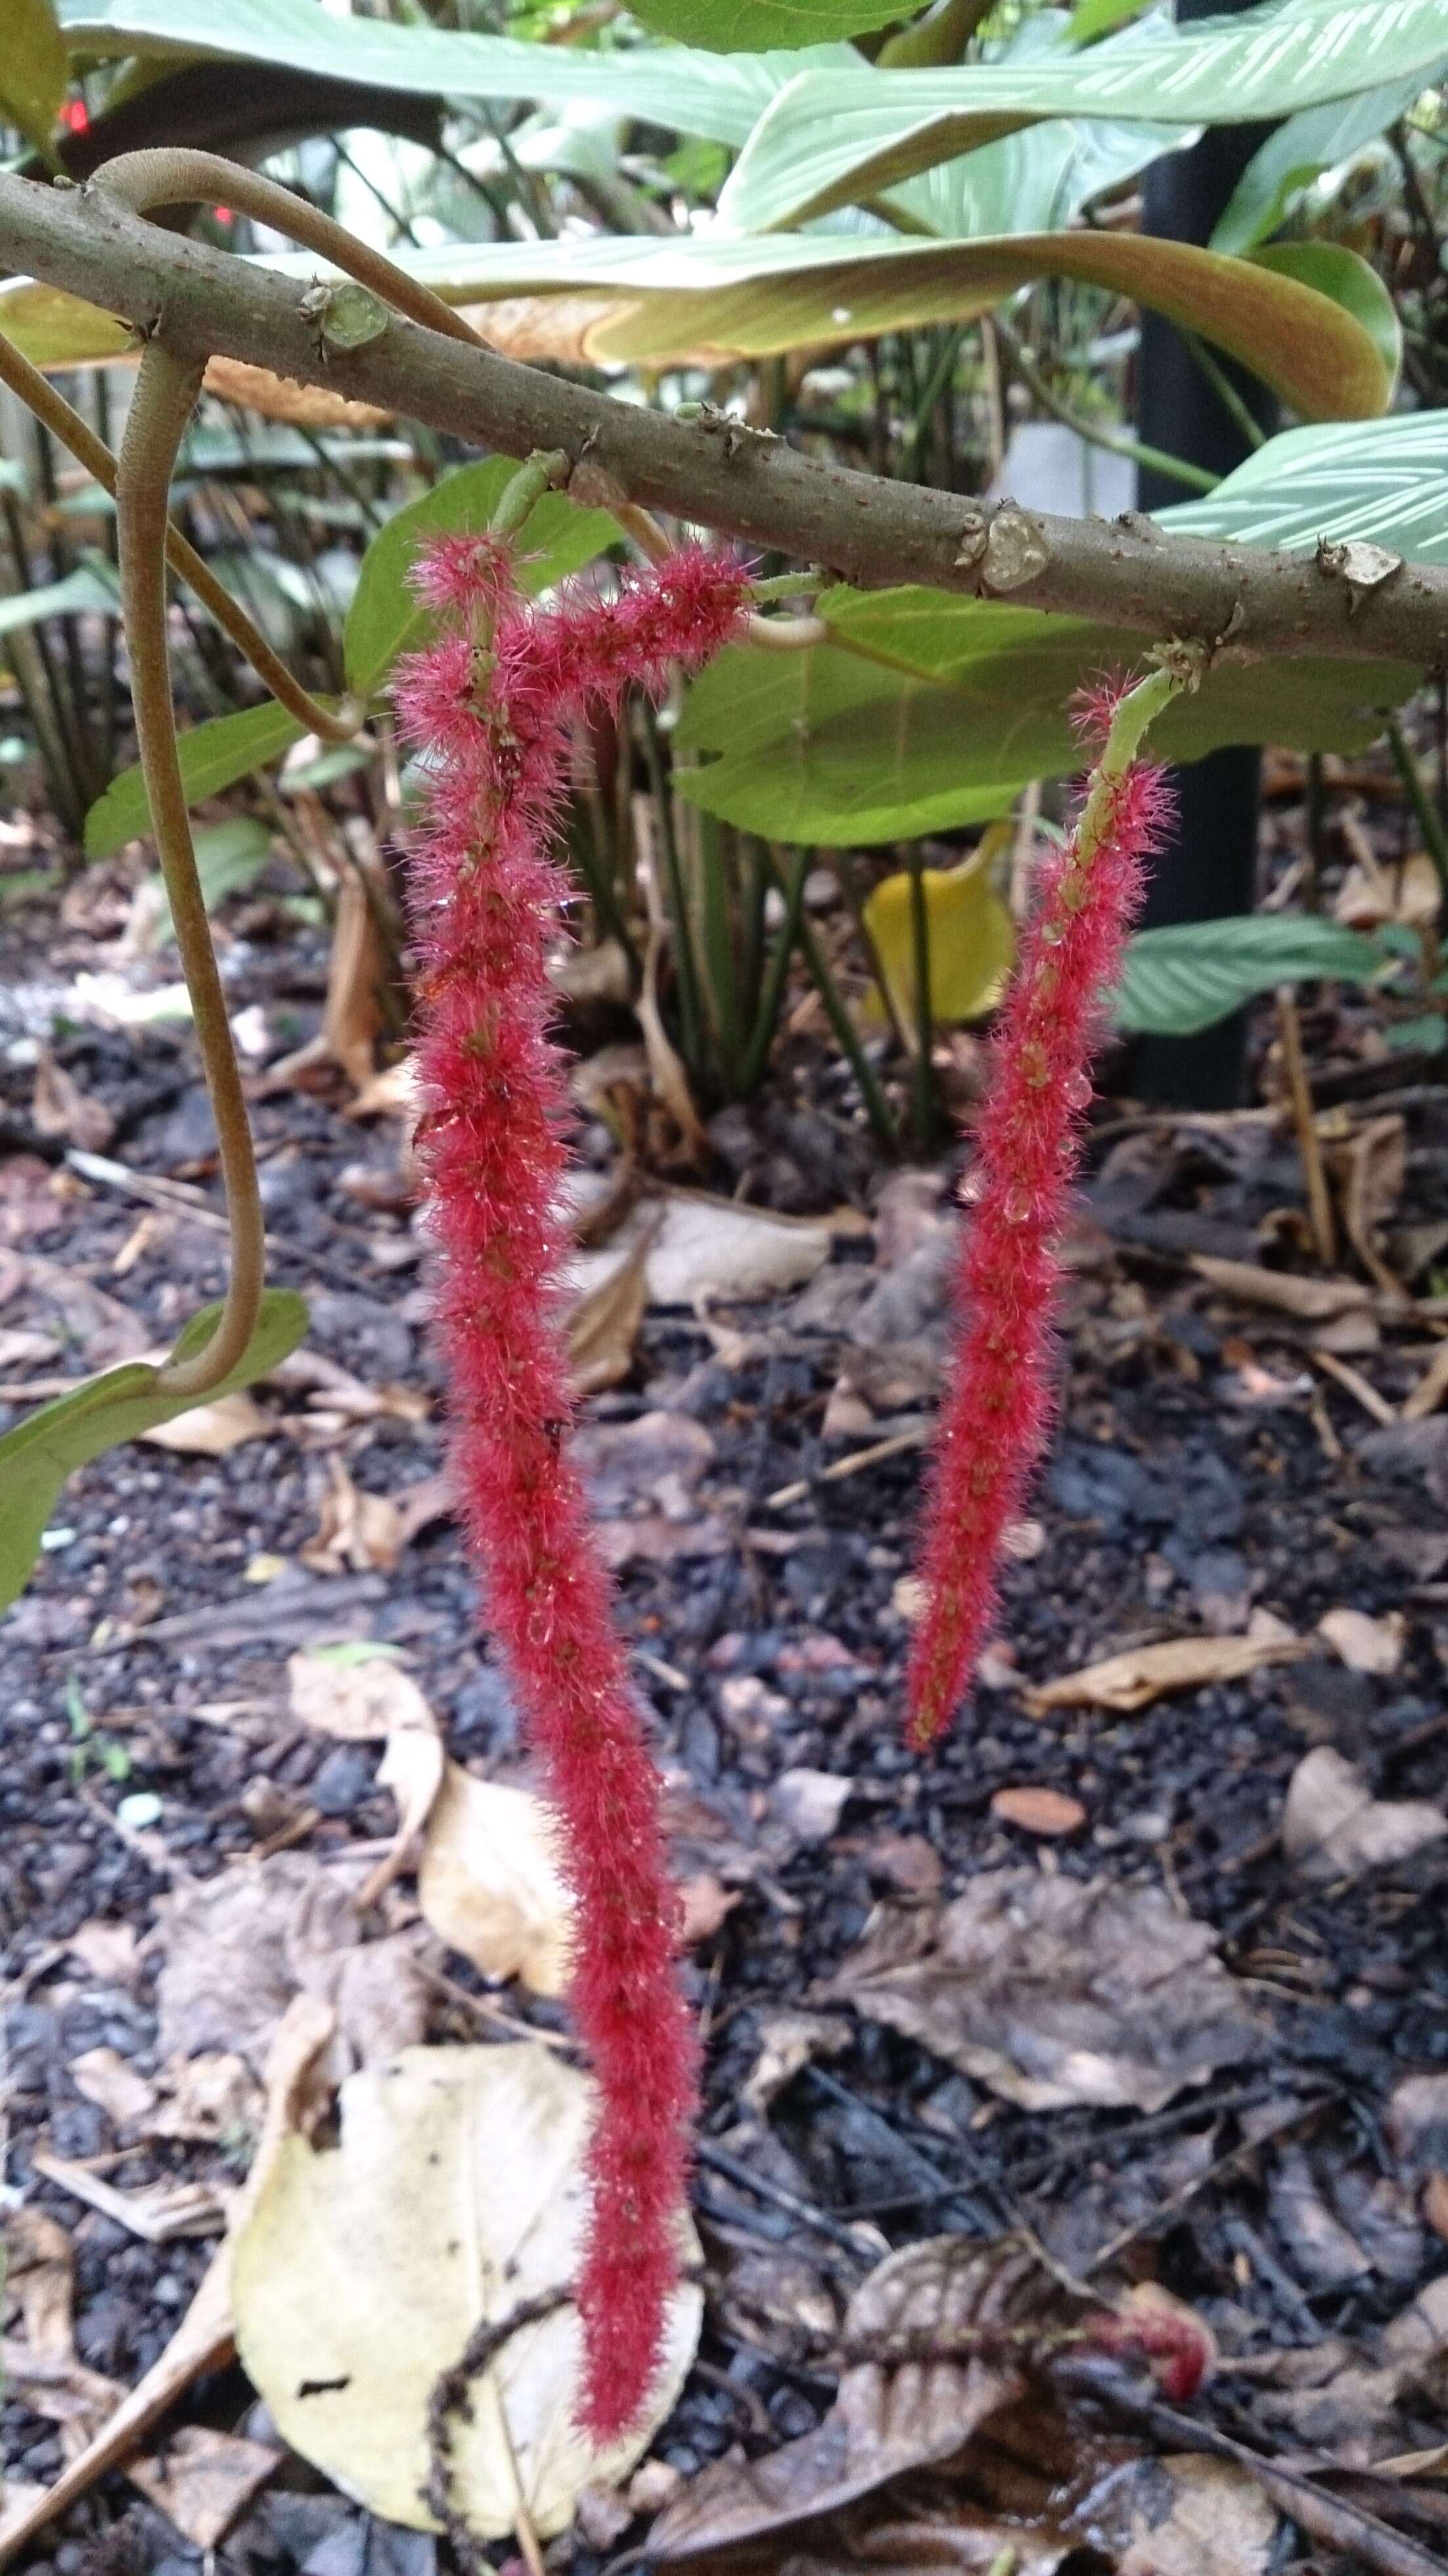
1126	572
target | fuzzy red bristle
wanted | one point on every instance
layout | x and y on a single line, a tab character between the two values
491	703
998	1407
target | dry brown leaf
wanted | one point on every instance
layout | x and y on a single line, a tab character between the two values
282	398
788	2042
705	1905
1312	1300
1146	1673
107	2079
885	2423
203	2479
1194	2516
359	1532
1430	1390
603	1324
40	2281
412	1768
488	1881
1371	894
240	1947
60	1108
358	1696
392	1093
1365	1645
1039	1811
1435	2201
1054	1990
1333	1827
161	2211
1370	1170
210	2100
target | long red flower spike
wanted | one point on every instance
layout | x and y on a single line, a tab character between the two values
491	704
998	1408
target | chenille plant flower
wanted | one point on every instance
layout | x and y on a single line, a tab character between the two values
998	1408
491	704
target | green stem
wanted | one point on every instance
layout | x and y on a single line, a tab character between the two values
1225	391
771	992
1116	443
524	490
161	406
877	1107
924	1072
1426	815
935	384
686	972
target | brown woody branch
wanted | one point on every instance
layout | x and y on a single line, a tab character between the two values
868	531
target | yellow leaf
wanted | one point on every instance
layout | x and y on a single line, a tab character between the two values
971	937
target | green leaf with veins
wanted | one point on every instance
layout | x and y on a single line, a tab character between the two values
1187	975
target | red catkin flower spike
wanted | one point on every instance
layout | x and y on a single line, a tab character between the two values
998	1407
491	703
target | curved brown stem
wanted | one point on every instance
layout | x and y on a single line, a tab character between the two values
50	407
143	180
161	406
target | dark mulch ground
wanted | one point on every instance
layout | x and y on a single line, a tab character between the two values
1208	1467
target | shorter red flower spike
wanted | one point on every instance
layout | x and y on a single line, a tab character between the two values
998	1408
491	704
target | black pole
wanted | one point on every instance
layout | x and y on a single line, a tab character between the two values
1210	868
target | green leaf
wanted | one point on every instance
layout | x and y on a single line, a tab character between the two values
38	1455
1035	181
926	711
1387	484
1296	152
89	591
755	26
687	92
53	329
213	756
228	856
32	69
821	746
1093	18
835	137
1185	976
385	619
1427	1034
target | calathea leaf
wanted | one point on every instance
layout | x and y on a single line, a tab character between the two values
1186	975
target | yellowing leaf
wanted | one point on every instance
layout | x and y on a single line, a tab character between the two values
32	68
971	937
455	2193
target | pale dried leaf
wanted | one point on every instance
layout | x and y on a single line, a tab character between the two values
789	2041
1333	1826
231	380
412	1768
489	1884
60	1108
1054	1990
458	2173
39	2278
107	2079
1365	1645
603	1324
360	1697
359	1532
1146	1673
1195	2516
706	1247
159	2212
1039	1811
107	1951
213	1430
